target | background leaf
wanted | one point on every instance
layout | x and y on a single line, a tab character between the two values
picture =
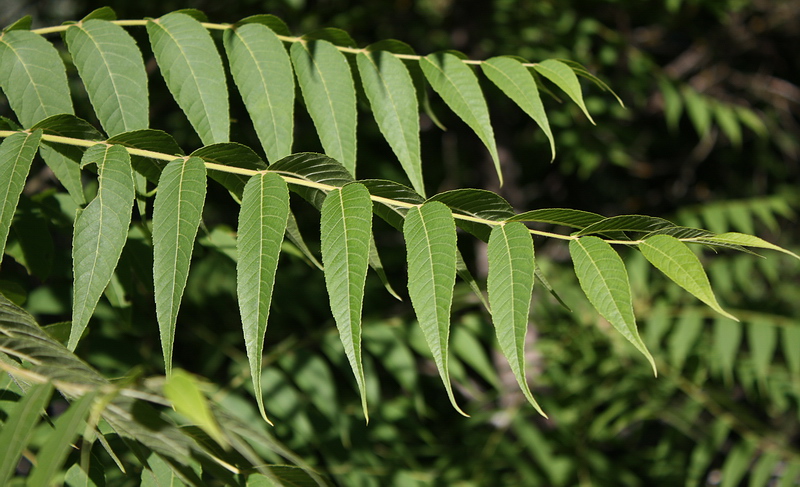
184	394
177	210
100	232
19	427
16	156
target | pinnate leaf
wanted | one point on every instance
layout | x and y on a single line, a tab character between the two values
559	216
346	230
112	70
517	82
192	69
564	77
603	278
100	232
510	285
627	223
430	235
16	156
262	223
33	77
392	96
458	86
330	97
176	216
679	263
743	240
263	72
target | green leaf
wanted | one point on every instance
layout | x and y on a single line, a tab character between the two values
729	123
330	97
392	96
791	337
159	473
518	84
102	13
77	477
564	77
740	239
510	285
603	278
16	155
100	232
294	235
275	24
392	214
626	223
684	337
192	69
262	223
263	73
33	77
19	426
183	392
318	168
762	340
346	228
458	86
699	110
233	155
24	23
59	442
430	235
726	342
177	210
149	140
477	203
111	67
679	263
559	216
673	104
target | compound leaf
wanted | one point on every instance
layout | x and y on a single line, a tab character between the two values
564	77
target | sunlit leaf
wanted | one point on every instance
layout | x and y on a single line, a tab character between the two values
510	285
564	77
262	223
111	67
430	235
346	228
263	73
330	97
603	278
679	263
100	232
192	69
458	86
184	394
516	81
176	216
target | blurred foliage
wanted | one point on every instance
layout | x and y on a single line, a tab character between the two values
709	137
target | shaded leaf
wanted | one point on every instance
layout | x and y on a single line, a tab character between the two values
16	155
740	239
231	154
458	86
310	166
263	73
19	427
603	278
192	69
477	203
111	67
559	216
392	96
684	337
330	97
148	140
262	223
275	24
510	285
762	339
100	232
346	230
430	235
177	210
679	263
517	83
626	223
